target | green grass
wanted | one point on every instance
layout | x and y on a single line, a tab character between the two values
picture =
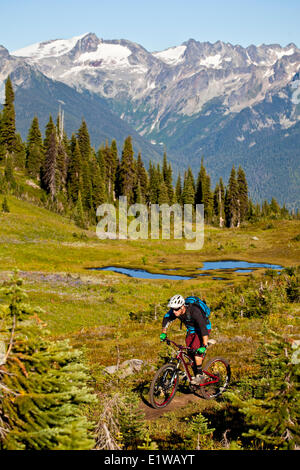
92	307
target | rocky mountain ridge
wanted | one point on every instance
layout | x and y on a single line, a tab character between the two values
230	104
148	89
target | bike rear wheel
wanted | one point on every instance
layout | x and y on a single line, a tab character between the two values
217	377
164	385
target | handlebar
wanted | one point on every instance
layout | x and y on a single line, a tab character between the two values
179	346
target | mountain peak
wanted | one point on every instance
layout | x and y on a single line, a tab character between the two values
3	52
87	43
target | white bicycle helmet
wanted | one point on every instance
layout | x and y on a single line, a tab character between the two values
176	301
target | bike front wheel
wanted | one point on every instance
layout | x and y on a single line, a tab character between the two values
164	385
217	377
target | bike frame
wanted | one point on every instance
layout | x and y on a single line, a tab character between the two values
180	357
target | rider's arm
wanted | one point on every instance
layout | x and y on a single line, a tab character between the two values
167	320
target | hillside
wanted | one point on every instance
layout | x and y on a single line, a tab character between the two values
111	315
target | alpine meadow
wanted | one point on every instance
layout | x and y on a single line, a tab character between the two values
87	123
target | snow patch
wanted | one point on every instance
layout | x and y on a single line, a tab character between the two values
281	54
109	54
213	61
55	48
171	56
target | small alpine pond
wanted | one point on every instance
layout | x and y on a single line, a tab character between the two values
231	265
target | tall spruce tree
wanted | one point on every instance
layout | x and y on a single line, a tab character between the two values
97	181
219	203
74	175
8	120
114	165
84	141
63	153
167	177
188	191
87	187
9	176
208	200
200	185
243	203
110	162
127	174
178	190
50	179
142	178
34	150
153	184
231	201
203	193
163	196
19	153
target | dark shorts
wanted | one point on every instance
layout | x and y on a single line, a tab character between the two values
194	341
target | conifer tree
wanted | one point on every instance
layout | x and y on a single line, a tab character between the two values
142	178
231	201
5	207
153	184
167	177
2	144
19	153
203	192
127	174
200	186
208	200
87	188
163	196
50	129
63	153
114	165
243	203
49	171
8	121
74	176
9	172
265	208
272	414
79	213
110	162
97	181
219	203
274	207
178	190
188	191
34	150
84	141
43	383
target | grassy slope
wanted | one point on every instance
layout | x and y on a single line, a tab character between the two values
92	308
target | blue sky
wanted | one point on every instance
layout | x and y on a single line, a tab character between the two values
155	24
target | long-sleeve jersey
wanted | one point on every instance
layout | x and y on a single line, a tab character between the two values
193	319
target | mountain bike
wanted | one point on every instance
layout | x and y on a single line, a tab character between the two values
166	380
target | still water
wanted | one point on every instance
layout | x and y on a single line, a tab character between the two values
232	265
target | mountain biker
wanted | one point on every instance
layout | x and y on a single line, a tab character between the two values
197	330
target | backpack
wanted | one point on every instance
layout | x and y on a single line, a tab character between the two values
202	305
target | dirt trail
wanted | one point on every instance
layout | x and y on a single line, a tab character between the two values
178	401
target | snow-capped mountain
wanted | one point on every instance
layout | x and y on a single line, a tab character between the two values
177	81
38	95
221	101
